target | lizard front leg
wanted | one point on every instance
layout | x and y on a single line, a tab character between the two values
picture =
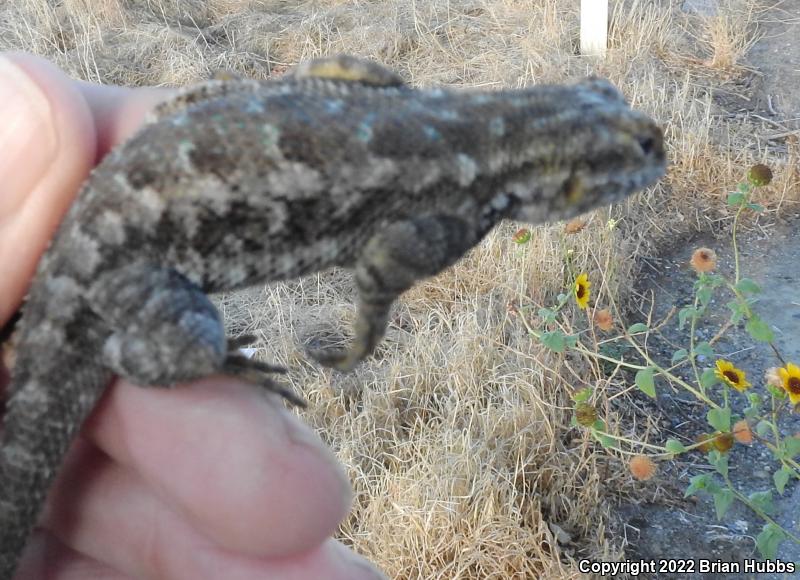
391	263
165	331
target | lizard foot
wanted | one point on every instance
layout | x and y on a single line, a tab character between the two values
256	372
343	360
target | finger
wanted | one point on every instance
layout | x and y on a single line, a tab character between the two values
46	558
119	111
47	139
118	520
235	463
54	129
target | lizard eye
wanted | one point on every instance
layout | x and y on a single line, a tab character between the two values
646	143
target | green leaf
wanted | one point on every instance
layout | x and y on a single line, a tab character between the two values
674	446
607	442
720	419
791	447
719	461
781	478
736	199
637	328
738	311
708	378
697	483
644	380
684	313
571	340
547	315
762	500
679	355
554	340
756	207
704	349
763	428
769	539
562	299
704	295
583	395
755	405
744	187
747	286
759	329
776	392
599	425
722	501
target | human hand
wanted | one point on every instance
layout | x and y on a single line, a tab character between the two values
210	480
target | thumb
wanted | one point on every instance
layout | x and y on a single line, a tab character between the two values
52	131
48	145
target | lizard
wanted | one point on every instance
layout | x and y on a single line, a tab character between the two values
236	182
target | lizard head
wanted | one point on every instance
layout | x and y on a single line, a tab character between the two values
598	152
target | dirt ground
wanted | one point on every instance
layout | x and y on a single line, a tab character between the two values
677	528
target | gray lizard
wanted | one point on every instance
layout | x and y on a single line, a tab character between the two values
239	182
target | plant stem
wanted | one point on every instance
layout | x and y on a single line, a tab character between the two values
746	501
735	244
691	345
671	377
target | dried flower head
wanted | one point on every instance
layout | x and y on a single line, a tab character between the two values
642	467
574	226
582	286
585	414
705	441
759	175
731	376
742	432
772	378
723	441
703	260
522	236
603	319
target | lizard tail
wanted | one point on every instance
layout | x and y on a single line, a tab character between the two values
50	398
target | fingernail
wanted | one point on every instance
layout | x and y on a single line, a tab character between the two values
28	140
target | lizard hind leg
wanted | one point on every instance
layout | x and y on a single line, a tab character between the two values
391	262
165	330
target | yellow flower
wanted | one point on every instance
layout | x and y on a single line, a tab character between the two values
582	285
790	377
731	376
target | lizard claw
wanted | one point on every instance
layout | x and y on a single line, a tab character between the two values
335	358
257	372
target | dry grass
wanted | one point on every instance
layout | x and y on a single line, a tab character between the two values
457	434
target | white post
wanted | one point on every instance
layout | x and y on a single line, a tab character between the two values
594	27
